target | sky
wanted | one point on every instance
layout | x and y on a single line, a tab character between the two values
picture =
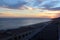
29	8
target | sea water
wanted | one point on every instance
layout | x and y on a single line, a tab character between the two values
11	23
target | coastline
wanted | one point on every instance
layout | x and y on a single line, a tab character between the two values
24	28
47	33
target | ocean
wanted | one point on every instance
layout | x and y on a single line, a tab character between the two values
11	23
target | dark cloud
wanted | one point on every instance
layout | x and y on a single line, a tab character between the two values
14	6
0	13
47	4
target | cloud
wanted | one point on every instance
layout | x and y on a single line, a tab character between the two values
58	15
46	4
12	3
28	13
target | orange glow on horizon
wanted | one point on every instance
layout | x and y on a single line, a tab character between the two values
42	15
30	13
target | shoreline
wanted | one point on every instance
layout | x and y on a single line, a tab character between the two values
47	33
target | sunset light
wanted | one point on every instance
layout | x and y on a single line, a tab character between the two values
28	13
29	19
33	9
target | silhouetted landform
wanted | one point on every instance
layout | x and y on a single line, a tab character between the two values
56	19
40	31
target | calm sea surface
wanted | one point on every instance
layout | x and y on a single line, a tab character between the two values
10	23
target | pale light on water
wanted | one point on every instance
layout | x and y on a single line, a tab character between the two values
15	23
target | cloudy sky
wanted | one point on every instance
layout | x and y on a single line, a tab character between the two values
30	8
